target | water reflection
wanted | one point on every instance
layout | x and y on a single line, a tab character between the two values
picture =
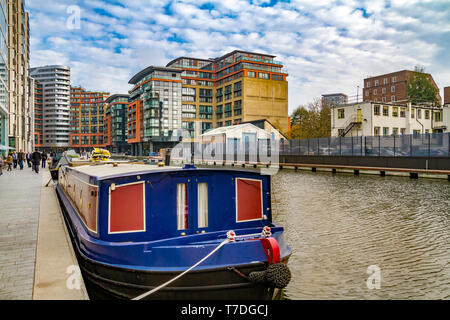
339	225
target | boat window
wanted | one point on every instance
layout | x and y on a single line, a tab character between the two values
203	205
182	206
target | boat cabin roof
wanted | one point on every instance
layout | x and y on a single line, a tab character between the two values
102	170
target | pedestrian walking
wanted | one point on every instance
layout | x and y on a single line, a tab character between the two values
9	161
20	159
36	160
14	156
44	158
29	159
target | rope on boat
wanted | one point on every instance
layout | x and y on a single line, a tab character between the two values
230	238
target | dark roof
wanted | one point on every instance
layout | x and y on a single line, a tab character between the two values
115	96
138	76
176	59
242	51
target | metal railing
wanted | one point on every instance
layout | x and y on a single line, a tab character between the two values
414	145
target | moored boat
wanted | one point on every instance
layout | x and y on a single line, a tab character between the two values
150	232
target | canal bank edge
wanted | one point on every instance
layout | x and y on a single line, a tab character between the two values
56	266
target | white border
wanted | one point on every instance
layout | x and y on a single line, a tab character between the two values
262	207
109	208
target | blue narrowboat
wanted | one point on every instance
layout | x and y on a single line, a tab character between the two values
149	232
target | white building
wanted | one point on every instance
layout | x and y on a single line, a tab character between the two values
55	80
374	118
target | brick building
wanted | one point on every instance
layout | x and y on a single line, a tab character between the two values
87	110
390	87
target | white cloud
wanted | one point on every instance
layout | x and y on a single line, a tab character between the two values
326	45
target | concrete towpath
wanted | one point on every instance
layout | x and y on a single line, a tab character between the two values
36	255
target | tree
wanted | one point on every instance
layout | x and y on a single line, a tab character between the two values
311	121
420	88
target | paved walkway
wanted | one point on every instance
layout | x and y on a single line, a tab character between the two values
20	192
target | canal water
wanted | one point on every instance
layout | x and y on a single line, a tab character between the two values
347	232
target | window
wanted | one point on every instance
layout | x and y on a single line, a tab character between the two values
395	111
263	75
394	79
202	205
419	113
402	112
392	88
386	111
376	109
412	113
385	131
251	74
392	98
368	84
182	206
395	131
427	114
341	113
376	131
367	93
376	83
375	91
385	81
403	130
437	116
383	90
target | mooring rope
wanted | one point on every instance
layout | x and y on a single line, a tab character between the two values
230	238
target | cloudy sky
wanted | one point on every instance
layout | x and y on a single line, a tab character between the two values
327	46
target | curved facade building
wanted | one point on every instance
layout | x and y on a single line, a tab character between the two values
55	81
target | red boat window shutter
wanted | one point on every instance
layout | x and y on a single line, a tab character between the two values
127	208
248	200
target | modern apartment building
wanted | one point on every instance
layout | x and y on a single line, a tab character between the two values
154	109
115	123
55	82
390	87
38	115
236	87
20	115
4	63
334	99
87	111
373	119
201	94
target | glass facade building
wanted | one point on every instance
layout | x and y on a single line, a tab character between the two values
4	74
115	123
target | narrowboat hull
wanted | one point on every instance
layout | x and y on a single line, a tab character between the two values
127	269
105	282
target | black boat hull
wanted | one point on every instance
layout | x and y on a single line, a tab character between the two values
104	282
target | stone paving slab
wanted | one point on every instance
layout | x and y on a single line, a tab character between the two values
20	192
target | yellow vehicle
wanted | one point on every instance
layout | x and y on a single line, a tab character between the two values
100	155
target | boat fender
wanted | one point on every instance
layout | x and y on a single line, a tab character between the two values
277	275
